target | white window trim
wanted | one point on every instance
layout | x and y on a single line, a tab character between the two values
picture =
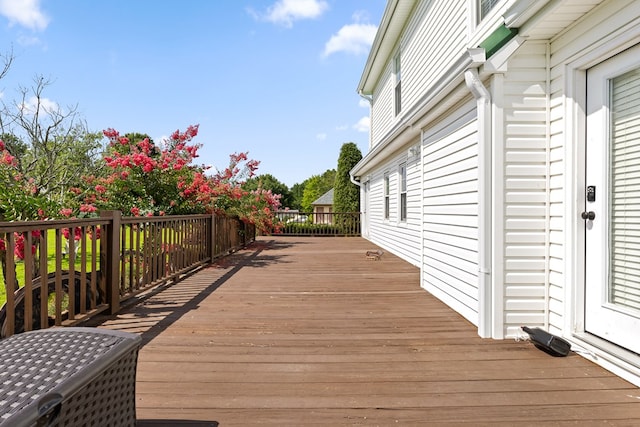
397	83
402	190
386	190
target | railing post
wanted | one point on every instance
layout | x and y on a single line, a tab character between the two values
9	271
111	259
212	237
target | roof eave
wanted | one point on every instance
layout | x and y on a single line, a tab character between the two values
393	21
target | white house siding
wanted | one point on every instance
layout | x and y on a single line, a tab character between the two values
526	181
399	237
424	55
450	213
436	37
382	108
599	35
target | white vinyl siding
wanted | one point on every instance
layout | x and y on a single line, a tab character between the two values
401	238
589	32
557	197
382	117
435	37
438	38
526	182
538	90
450	244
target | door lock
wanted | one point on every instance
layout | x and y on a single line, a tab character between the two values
591	215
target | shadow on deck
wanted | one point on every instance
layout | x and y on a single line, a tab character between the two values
309	331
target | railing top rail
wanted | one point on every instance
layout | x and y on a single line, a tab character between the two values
292	212
139	219
9	226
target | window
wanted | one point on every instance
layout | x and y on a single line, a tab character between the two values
624	285
403	192
398	86
485	8
386	196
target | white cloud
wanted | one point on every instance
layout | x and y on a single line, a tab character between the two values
285	12
24	12
321	136
342	127
363	103
363	124
352	38
28	40
46	105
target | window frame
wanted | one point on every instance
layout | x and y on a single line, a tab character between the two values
397	87
386	186
480	14
402	172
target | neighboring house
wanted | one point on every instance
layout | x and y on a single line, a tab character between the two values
504	162
323	208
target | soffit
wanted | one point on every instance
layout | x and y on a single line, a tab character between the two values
555	18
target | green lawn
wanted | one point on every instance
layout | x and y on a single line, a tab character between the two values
51	262
138	242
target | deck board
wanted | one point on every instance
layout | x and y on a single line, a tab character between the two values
307	331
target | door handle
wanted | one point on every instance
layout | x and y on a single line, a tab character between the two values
588	215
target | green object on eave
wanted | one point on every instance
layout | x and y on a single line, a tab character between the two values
497	39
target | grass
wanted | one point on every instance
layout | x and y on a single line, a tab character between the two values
131	241
51	263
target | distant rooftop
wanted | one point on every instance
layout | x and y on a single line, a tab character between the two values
325	199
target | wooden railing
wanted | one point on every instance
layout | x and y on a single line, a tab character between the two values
63	272
319	224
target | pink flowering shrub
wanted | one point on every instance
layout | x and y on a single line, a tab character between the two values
145	179
142	179
20	198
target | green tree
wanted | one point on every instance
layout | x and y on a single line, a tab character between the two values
326	181
297	192
312	190
270	183
315	187
346	196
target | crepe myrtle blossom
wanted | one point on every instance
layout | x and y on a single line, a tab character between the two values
20	197
149	179
142	179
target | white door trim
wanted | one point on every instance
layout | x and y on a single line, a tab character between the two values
604	318
621	362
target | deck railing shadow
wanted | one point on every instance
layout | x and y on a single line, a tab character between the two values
159	308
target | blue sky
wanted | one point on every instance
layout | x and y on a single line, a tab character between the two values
276	78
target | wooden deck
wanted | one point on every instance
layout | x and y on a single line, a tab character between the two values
308	331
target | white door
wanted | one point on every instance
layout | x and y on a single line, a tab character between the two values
612	201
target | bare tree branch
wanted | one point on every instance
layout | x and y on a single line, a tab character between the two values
59	147
5	62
